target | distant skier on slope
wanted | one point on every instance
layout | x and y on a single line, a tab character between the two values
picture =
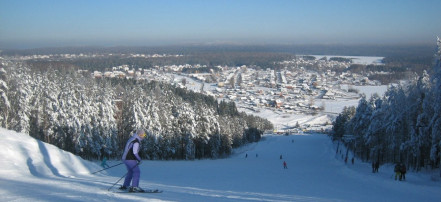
131	159
403	171
104	163
397	170
375	166
284	165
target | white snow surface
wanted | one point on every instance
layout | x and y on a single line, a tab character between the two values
31	170
364	60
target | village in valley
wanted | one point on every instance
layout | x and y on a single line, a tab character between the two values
294	89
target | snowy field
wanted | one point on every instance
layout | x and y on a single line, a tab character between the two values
35	171
282	120
363	60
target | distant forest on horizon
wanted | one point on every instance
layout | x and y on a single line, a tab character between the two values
401	61
353	50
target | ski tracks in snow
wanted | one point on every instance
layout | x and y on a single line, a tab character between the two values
225	195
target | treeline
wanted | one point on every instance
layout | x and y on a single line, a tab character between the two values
386	74
340	59
402	126
304	49
95	117
395	68
210	60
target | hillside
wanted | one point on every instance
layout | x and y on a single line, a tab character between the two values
32	170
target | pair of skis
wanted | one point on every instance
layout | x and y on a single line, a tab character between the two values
146	191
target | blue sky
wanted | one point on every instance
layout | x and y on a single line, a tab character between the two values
40	23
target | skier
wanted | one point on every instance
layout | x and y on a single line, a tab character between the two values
131	159
403	171
104	163
284	165
397	171
377	165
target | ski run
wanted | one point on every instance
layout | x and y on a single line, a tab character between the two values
35	171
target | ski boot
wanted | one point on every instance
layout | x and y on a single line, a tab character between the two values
136	189
122	187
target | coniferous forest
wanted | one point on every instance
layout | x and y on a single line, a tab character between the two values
94	118
402	126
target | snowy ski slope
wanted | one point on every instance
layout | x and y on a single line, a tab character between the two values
34	171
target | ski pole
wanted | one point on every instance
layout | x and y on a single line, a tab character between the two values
122	177
107	168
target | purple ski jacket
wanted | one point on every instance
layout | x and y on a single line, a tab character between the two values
132	148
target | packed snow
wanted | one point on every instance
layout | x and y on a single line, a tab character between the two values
35	171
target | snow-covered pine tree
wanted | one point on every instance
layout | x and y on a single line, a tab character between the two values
227	135
4	101
107	122
127	122
19	96
339	124
419	142
376	132
358	126
435	121
36	115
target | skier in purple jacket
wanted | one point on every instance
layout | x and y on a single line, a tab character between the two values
131	159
